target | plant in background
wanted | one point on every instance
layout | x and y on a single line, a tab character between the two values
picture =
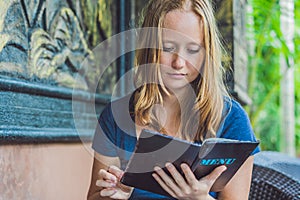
264	68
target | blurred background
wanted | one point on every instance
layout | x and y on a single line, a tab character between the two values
274	74
49	99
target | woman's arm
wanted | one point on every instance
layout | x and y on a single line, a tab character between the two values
105	179
239	186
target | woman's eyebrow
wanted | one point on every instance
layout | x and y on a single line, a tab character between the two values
193	43
168	41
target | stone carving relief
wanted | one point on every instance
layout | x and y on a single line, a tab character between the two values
44	41
58	55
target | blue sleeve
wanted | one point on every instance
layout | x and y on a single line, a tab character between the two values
105	134
236	124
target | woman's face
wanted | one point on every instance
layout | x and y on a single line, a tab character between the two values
183	50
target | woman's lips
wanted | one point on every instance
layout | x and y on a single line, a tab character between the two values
177	75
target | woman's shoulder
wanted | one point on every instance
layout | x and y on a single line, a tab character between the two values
118	105
119	112
233	108
236	123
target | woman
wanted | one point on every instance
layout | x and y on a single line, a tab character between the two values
180	93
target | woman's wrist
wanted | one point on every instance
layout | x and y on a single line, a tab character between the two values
130	193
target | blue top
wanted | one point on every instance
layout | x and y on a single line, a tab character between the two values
115	134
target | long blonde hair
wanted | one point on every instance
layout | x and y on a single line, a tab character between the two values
202	115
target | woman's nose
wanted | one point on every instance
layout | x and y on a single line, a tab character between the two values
178	61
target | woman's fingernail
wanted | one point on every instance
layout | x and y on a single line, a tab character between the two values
154	175
98	182
113	179
113	185
184	166
156	168
169	165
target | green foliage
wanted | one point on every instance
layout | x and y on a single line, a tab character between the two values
264	76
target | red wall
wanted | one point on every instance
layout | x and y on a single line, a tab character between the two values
44	172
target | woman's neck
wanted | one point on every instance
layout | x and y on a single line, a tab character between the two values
169	115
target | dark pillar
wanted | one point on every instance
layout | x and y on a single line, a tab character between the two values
231	19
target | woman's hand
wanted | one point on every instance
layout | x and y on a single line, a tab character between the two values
188	187
110	184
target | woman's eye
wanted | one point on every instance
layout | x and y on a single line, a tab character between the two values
168	49
193	51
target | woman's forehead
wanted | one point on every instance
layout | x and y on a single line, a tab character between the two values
183	25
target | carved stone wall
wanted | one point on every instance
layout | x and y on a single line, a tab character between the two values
43	44
47	41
